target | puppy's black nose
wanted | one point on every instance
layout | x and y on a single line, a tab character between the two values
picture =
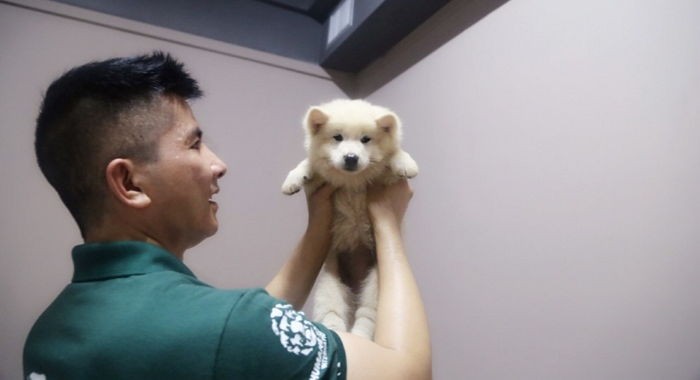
351	161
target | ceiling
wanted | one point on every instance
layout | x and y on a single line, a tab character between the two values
319	10
296	29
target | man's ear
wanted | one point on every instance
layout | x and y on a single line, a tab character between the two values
315	119
120	182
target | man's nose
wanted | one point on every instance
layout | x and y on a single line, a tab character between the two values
220	169
218	166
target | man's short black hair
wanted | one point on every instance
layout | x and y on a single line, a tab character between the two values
100	111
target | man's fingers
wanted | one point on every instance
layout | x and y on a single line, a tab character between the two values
322	192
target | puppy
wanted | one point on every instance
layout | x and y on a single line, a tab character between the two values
350	144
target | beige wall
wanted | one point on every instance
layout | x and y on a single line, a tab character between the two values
251	116
554	231
556	225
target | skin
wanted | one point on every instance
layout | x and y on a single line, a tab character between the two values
169	203
401	346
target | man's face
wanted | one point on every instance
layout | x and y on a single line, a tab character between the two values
182	182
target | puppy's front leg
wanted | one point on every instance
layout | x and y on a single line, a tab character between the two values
403	165
297	178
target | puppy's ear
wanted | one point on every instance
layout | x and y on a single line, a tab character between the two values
315	119
388	123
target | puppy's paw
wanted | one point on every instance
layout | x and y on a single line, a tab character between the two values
333	321
366	332
403	165
294	182
290	189
364	322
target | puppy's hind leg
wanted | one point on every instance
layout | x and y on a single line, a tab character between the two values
331	300
366	313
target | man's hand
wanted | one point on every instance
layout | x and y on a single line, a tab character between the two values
320	206
389	203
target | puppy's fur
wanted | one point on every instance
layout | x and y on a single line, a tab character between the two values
350	144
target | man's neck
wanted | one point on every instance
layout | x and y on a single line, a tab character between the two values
109	233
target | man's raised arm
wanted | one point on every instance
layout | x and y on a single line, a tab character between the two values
296	278
401	347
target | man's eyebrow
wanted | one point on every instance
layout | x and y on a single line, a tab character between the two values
195	134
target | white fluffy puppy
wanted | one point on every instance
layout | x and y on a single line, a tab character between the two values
350	144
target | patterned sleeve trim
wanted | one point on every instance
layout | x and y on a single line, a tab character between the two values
300	337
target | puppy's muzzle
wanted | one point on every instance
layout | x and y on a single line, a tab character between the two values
350	162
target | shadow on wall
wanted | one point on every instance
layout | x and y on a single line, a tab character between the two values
447	23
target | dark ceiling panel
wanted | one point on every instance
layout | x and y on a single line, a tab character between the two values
302	5
374	33
322	9
319	10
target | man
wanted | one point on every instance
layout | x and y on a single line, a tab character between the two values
119	143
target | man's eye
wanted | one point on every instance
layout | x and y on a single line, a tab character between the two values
365	139
338	137
197	144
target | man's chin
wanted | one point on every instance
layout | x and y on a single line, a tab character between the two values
213	228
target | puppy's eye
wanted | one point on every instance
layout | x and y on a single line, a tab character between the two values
365	139
338	137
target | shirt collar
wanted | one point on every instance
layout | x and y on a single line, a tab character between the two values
99	261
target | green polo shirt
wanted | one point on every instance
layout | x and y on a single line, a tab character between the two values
134	311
